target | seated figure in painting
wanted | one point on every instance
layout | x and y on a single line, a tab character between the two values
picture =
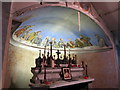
70	43
101	41
25	34
32	36
23	29
54	43
38	40
85	40
78	43
45	42
61	43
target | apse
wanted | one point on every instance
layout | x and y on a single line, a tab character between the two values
61	26
66	28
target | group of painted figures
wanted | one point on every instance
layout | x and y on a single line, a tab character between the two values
34	38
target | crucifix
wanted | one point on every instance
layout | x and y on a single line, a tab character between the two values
58	53
58	60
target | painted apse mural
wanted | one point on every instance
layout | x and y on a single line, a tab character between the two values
60	26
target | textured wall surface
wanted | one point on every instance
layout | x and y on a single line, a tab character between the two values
101	66
21	61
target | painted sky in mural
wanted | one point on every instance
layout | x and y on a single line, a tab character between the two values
59	25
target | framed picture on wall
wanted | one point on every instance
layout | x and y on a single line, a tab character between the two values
66	73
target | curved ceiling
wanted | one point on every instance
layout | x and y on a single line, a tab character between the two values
59	25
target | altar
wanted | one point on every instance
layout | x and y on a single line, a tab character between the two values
59	73
76	84
52	80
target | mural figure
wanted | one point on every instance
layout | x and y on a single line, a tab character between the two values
54	43
38	40
85	40
45	42
23	29
101	41
32	36
25	34
79	43
70	43
61	43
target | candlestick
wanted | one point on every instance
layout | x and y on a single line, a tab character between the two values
86	70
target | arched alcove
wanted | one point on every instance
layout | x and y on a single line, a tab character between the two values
67	24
